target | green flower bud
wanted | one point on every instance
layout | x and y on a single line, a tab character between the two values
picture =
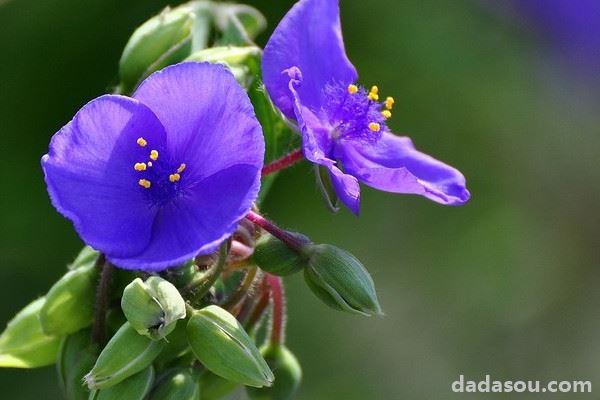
181	384
23	344
340	280
213	387
221	344
69	304
126	354
288	374
86	256
152	307
162	40
177	344
238	23
135	387
76	357
238	59
275	257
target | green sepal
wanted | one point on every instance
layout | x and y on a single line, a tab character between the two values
275	257
180	384
135	387
162	40
222	345
239	24
126	354
340	280
76	357
23	344
213	387
69	304
288	374
323	181
86	256
152	307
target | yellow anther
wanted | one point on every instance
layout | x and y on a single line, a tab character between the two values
174	177
386	114
154	155
145	183
352	89
374	126
373	96
142	142
181	168
374	89
140	166
389	103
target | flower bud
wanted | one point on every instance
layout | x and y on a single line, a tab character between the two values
288	374
238	23
340	280
162	40
23	344
135	387
86	256
237	59
274	256
69	304
213	387
223	347
126	354
177	344
181	384
76	357
152	307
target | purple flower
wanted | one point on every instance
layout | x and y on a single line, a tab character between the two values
158	178
310	79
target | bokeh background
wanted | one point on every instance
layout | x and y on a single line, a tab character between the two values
506	91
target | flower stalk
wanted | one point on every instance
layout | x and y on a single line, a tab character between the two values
282	163
102	294
278	318
292	241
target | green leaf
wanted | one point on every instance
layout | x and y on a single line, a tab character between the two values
23	344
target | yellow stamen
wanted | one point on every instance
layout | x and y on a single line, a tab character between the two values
386	114
352	89
154	155
145	183
140	166
389	103
181	168
142	142
373	93
174	177
374	126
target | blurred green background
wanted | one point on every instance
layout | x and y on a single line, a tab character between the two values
506	285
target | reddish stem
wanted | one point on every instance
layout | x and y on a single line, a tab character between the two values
278	320
258	310
283	162
290	240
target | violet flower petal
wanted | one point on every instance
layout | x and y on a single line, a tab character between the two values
209	119
309	37
208	214
90	176
394	165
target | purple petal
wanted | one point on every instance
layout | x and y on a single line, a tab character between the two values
394	165
317	146
199	221
208	117
309	37
90	176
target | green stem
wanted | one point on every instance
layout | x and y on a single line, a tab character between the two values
198	288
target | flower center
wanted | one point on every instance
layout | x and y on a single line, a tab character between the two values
160	177
355	113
